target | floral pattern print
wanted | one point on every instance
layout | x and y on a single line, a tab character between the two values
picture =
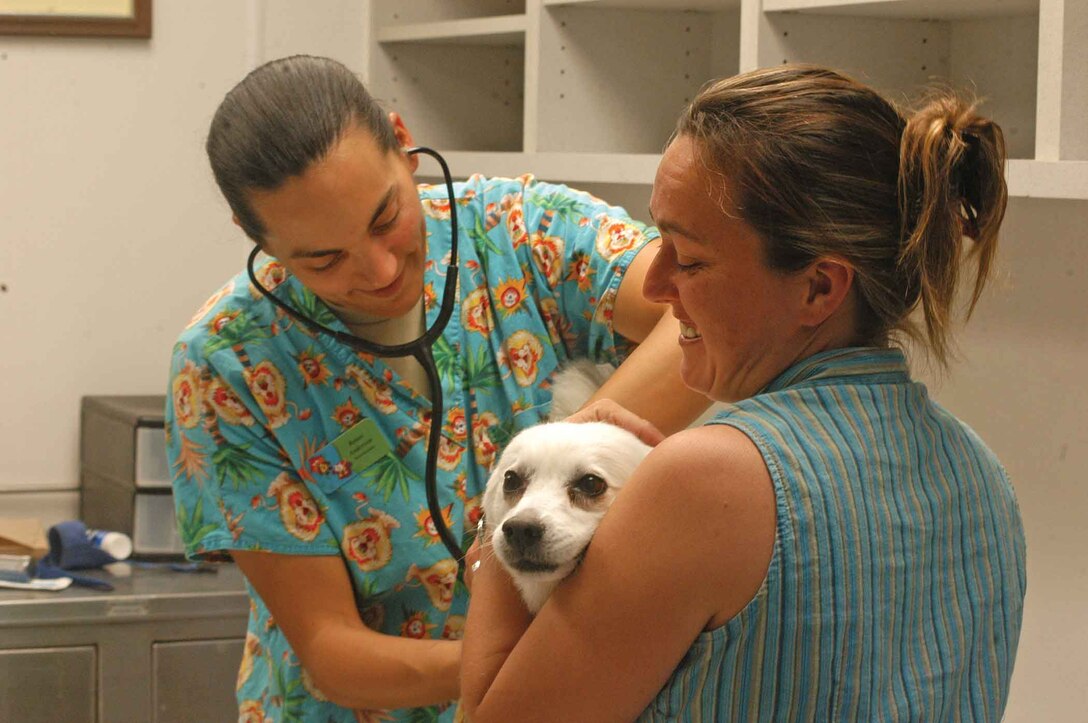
258	400
524	352
438	580
228	407
186	391
298	511
311	368
346	415
417	625
510	295
483	445
616	235
251	711
214	299
548	255
476	314
376	390
428	531
268	387
367	542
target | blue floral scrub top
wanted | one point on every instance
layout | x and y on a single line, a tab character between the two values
261	408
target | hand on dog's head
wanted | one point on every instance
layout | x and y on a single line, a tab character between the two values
547	493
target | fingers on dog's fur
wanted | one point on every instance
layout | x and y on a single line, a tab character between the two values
606	410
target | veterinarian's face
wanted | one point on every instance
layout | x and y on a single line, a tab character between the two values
351	226
738	317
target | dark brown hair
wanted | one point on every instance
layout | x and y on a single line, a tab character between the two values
282	117
824	166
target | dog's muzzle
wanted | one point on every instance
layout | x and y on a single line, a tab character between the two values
524	538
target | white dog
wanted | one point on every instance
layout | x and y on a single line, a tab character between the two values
546	495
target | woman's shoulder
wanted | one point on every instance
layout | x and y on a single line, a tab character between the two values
708	465
709	445
704	501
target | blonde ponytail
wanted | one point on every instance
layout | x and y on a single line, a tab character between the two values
951	186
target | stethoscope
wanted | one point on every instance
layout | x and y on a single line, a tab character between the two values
419	348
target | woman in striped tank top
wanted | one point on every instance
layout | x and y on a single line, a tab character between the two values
834	545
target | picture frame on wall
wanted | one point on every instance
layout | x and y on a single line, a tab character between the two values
76	18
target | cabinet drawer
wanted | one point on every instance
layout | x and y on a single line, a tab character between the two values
44	685
194	680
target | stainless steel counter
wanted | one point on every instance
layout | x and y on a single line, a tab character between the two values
148	594
163	646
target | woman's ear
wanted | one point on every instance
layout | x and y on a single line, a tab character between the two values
404	138
829	281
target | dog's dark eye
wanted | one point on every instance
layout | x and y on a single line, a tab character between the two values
512	482
591	485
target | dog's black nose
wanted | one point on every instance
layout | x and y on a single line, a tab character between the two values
523	535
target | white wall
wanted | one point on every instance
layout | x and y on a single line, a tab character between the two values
1021	384
111	229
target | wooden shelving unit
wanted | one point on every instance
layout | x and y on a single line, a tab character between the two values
637	168
586	91
921	9
502	30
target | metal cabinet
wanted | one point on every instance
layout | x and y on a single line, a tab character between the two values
163	647
195	674
48	684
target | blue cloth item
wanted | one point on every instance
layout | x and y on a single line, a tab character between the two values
70	548
258	401
896	586
47	570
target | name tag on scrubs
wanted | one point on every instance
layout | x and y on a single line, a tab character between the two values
362	444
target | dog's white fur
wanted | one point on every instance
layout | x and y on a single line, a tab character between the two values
541	524
574	384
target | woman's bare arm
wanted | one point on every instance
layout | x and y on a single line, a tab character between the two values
685	546
311	600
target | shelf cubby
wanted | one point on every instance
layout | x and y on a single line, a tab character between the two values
613	76
1062	132
454	71
901	47
396	13
588	91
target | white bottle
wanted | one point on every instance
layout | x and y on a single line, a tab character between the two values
116	544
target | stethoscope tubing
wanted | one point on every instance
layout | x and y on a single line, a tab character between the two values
419	348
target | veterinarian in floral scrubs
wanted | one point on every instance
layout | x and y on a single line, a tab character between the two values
356	604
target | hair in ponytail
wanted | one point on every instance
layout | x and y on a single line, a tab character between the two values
951	186
824	166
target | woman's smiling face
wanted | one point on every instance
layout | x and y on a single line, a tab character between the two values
738	317
351	226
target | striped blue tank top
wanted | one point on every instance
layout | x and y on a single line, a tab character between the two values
896	586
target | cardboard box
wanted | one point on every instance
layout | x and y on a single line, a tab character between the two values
22	536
